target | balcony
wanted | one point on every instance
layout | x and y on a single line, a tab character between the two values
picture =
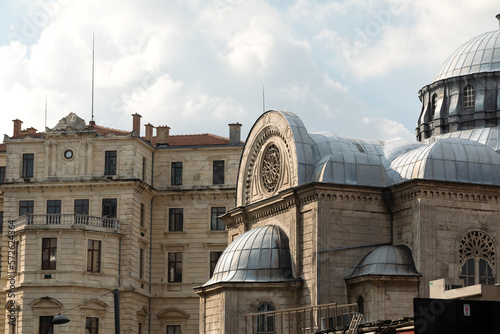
68	220
303	320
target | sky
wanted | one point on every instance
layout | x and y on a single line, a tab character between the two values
349	67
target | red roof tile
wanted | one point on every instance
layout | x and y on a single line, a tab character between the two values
102	130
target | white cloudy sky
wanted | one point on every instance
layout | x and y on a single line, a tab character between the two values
351	67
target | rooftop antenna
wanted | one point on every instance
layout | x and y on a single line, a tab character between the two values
263	100
92	121
45	112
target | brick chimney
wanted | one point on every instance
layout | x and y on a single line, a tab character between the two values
162	133
149	131
234	133
136	123
17	127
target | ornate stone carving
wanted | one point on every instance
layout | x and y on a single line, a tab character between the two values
477	244
70	123
271	168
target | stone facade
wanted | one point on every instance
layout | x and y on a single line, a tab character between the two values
98	203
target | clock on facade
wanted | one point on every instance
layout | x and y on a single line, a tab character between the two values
68	154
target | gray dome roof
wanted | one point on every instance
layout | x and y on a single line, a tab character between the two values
259	255
449	159
480	54
387	261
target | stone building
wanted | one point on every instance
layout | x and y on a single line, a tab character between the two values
88	209
322	218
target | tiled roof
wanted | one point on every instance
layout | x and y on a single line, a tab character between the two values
102	130
196	140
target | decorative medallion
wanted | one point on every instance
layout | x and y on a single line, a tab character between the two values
271	168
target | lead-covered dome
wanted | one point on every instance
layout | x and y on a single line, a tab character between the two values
259	255
480	54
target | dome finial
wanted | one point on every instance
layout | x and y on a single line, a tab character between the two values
498	18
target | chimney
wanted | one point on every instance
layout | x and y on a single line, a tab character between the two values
234	133
162	135
28	131
498	18
136	123
149	131
17	127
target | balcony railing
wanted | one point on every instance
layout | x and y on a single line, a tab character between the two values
66	219
302	320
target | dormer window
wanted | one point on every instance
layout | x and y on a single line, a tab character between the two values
469	96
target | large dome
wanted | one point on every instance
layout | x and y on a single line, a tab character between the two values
480	54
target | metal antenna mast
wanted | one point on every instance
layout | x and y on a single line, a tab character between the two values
92	78
263	100
45	112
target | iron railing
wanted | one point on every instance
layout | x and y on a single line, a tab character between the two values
66	219
302	320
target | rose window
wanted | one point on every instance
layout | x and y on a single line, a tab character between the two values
271	167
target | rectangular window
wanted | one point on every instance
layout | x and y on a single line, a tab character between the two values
1	222
143	212
49	253
218	172
139	328
25	207
53	211
109	207
215	223
143	169
110	163
173	329
175	267
82	206
141	263
28	164
94	256
175	219
214	257
45	325
16	257
3	171
91	325
176	175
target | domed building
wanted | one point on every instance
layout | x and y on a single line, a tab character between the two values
323	219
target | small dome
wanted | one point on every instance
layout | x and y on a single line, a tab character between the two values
480	54
387	261
449	159
349	167
259	255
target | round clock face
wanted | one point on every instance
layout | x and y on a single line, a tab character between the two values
68	154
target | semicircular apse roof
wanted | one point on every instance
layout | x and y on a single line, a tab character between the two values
259	255
449	159
480	54
386	261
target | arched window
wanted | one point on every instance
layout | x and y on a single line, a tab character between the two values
469	96
433	107
477	258
361	304
265	323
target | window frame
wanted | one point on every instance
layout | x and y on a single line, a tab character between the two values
113	206
48	264
176	219
214	258
54	211
174	261
93	252
263	322
142	218
218	172
28	165
110	162
177	329
141	263
90	326
469	97
3	173
176	173
45	320
215	222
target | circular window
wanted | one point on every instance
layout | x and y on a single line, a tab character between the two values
68	154
271	168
